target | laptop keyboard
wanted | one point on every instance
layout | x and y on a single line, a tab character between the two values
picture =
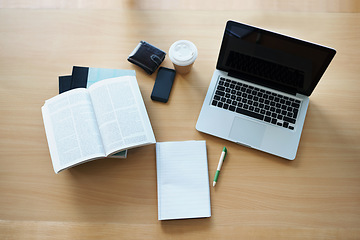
255	102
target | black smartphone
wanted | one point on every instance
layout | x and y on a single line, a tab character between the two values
163	84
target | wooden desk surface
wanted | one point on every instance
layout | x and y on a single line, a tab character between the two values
258	196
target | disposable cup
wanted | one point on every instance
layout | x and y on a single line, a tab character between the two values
183	54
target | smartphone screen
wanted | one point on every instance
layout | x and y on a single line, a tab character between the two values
163	84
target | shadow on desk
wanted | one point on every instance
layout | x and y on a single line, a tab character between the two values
185	226
324	131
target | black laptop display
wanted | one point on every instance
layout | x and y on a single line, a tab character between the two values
271	59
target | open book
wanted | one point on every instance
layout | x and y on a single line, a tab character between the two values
86	124
84	77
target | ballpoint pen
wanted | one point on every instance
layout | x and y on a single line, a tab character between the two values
222	158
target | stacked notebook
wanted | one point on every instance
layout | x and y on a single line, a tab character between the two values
84	77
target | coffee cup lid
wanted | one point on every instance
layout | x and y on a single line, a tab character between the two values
183	52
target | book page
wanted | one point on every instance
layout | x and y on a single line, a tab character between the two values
121	114
71	129
182	180
97	74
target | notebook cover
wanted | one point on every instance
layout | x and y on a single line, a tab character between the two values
64	83
182	180
79	77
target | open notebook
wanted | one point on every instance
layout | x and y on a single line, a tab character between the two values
182	180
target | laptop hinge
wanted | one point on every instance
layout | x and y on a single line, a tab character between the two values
262	82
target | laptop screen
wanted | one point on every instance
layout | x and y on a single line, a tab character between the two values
271	59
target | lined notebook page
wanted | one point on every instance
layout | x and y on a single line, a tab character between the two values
182	180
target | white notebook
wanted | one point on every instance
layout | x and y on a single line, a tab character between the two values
182	180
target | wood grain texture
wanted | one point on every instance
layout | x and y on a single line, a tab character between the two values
258	196
254	5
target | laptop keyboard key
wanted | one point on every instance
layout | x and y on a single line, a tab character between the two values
220	93
250	114
295	105
290	120
295	111
221	88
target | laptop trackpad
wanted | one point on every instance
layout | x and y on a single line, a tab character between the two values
247	132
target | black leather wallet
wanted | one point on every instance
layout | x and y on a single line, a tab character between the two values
147	56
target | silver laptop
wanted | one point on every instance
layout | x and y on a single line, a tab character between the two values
259	93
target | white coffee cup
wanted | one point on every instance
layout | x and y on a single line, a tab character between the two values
183	53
